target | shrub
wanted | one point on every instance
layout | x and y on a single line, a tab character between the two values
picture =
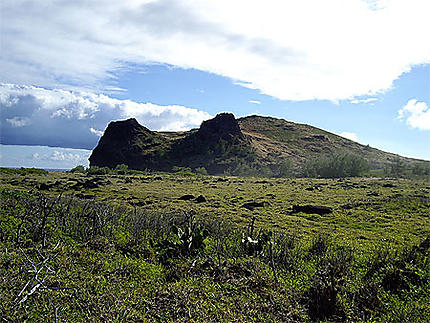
328	281
201	171
285	168
78	169
337	166
96	170
121	169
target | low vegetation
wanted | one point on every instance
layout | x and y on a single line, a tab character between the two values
78	246
336	166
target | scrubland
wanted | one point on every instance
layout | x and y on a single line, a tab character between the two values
169	247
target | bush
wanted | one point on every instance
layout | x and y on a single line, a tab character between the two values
337	166
398	167
285	168
201	171
95	170
184	171
121	169
78	169
421	169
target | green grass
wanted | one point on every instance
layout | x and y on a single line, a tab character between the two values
109	252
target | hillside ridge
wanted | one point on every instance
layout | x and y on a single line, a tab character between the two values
225	143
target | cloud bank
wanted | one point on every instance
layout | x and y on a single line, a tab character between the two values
36	116
42	157
292	50
416	114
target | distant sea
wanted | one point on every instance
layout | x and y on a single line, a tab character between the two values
47	169
57	169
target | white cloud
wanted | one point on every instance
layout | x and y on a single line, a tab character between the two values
18	122
63	156
349	135
63	118
254	101
294	50
359	101
98	133
416	114
42	157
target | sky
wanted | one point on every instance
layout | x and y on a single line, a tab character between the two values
357	68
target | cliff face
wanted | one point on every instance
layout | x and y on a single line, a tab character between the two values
223	127
127	142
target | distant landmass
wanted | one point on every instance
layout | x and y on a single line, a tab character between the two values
225	144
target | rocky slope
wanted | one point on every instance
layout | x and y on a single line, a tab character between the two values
224	142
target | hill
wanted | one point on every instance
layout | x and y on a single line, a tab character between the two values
225	144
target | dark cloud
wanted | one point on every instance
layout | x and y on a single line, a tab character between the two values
57	118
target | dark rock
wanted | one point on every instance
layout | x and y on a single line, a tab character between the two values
44	186
312	209
85	196
137	203
87	184
388	185
127	142
223	126
187	197
350	206
200	199
252	205
373	194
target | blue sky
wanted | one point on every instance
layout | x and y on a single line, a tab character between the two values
348	67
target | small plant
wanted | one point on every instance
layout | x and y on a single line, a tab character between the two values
187	240
328	281
254	245
121	169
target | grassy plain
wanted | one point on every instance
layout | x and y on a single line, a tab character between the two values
113	254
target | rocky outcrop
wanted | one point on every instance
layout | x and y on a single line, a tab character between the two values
224	126
128	142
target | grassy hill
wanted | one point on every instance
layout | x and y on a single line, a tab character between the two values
275	139
254	145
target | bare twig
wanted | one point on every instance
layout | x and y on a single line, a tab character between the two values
272	262
38	269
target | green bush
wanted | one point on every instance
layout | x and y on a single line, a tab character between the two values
201	171
121	169
337	166
78	169
285	168
96	170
